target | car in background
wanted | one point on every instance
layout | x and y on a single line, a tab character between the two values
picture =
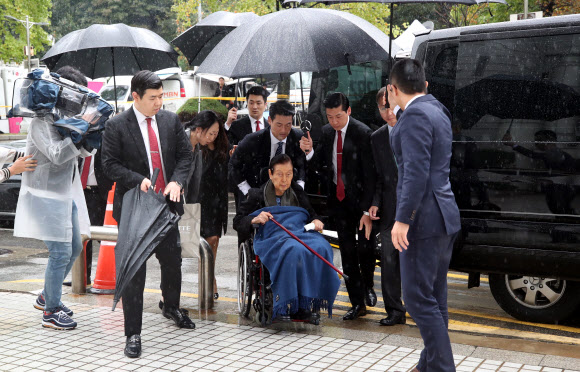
10	189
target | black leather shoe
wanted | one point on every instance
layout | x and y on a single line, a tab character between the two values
394	318
181	320
183	311
371	297
355	312
133	346
301	314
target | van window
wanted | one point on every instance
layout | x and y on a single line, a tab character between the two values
108	94
440	73
517	124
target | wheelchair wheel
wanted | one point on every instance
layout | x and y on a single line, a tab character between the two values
245	280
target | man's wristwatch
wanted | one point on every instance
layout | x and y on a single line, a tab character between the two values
180	185
366	213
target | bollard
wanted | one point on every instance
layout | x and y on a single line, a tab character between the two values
78	271
205	275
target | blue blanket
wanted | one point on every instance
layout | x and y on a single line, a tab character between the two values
299	278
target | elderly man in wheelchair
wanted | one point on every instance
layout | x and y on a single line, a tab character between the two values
290	282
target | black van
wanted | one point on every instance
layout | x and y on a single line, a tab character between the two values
513	89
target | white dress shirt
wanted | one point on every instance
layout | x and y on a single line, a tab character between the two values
252	123
274	145
343	130
142	121
412	99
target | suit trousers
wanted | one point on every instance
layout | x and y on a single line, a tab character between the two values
96	206
390	272
424	267
358	260
169	255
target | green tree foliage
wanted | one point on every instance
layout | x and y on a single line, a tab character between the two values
186	10
13	33
157	16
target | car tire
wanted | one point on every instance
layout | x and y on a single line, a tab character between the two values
535	299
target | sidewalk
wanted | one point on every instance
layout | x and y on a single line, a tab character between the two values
97	345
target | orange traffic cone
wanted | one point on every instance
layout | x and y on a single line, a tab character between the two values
105	276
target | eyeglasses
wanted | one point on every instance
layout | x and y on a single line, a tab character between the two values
383	109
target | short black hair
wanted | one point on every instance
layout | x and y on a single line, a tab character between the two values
281	107
257	90
72	74
408	75
279	159
335	100
381	94
221	78
144	80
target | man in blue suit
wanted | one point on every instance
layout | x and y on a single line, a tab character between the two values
427	218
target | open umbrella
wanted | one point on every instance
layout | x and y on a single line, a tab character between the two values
295	40
110	50
515	97
392	2
197	41
145	222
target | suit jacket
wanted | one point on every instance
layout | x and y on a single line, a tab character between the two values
255	200
124	153
421	142
241	128
358	169
103	182
253	154
386	186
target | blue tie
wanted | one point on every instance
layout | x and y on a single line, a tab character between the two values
279	149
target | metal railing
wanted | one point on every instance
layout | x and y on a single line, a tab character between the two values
205	272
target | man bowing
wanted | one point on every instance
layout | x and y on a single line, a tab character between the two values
135	142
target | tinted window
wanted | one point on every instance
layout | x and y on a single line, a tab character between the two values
516	127
107	93
440	70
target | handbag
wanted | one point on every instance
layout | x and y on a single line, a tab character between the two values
189	226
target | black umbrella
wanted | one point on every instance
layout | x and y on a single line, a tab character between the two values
145	222
199	40
392	2
110	50
515	97
295	40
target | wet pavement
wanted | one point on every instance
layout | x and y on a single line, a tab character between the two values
97	345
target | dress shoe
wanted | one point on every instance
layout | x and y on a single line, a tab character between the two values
133	346
355	312
183	311
371	297
181	320
394	318
301	315
216	296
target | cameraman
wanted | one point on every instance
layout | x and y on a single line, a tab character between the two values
51	207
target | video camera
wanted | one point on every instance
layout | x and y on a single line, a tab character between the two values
79	113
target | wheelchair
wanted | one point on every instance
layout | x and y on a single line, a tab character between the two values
254	287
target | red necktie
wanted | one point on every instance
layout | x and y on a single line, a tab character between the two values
86	170
339	184
257	125
155	156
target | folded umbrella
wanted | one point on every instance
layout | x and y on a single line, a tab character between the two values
145	222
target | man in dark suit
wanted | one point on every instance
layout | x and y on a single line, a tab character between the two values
427	218
344	156
254	153
238	129
136	142
222	91
384	204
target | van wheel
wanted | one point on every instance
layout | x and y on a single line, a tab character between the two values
535	299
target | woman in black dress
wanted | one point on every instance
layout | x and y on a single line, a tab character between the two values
208	183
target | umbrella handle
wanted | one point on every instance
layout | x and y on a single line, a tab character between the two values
310	249
154	177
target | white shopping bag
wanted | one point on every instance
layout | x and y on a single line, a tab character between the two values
189	230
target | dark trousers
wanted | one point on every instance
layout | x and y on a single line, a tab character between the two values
424	267
358	261
169	255
96	206
390	272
